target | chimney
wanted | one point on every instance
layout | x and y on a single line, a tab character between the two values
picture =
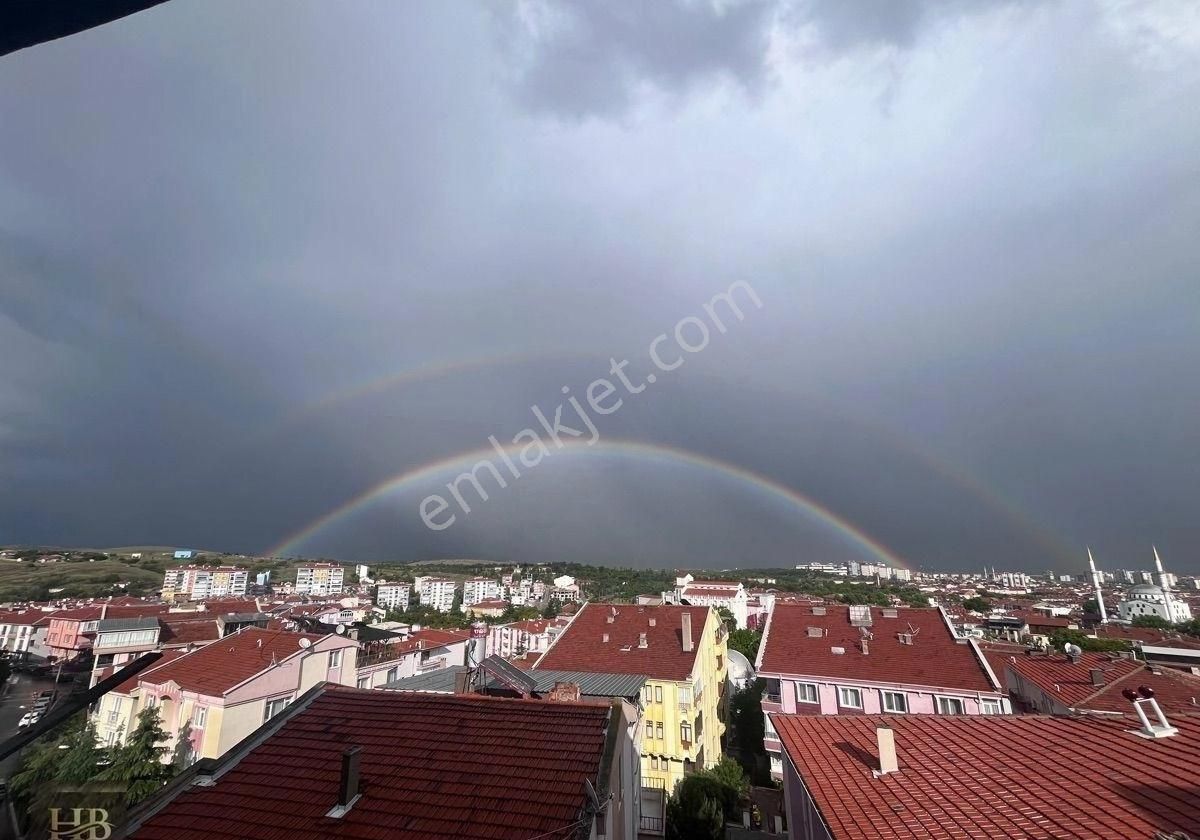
348	788
1097	677
642	643
564	692
1144	696
462	682
886	740
688	644
604	638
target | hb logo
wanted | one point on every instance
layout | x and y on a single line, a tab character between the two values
80	824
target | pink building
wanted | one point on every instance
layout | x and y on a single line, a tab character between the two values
855	660
72	631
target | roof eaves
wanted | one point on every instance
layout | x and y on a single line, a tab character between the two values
571	621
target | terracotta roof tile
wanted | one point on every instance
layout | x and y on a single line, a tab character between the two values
935	658
509	769
581	646
218	667
1029	776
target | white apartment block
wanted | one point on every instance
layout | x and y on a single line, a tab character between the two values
199	583
320	579
393	596
479	589
436	592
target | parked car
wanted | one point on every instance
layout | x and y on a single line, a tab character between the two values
29	719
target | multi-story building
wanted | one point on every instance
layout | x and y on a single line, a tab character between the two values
728	594
320	579
419	653
71	632
681	650
20	631
435	592
521	637
479	589
534	768
393	596
835	659
199	583
211	698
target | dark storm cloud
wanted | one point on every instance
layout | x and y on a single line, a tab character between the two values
583	58
255	260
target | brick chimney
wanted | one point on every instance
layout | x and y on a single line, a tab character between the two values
688	643
564	692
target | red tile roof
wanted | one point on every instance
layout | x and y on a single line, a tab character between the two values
512	769
934	659
1071	683
1029	776
188	631
581	646
218	667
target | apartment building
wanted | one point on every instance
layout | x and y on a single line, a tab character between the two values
213	697
479	589
435	592
200	583
521	637
320	579
853	660
383	764
422	651
718	594
393	596
23	632
681	650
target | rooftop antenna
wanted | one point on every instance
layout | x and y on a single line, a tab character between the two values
1096	584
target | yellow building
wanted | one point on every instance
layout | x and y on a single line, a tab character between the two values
681	650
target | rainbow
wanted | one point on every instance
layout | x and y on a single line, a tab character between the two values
806	506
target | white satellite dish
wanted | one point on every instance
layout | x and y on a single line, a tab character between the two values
305	643
340	629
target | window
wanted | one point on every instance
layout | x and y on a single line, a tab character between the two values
335	658
200	715
659	729
895	702
849	698
685	732
391	675
274	707
151	702
649	729
949	706
364	682
658	694
776	764
653	762
769	729
990	707
806	693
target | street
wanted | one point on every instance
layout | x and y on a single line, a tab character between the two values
16	700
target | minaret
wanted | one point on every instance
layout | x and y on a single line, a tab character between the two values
1165	584
1096	583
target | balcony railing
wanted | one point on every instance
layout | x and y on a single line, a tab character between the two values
432	665
651	825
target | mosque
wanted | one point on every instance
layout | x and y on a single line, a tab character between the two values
1149	599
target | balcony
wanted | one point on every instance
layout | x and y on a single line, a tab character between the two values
435	664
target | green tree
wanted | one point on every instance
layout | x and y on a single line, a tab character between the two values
727	617
138	763
1087	643
734	784
977	604
1155	621
553	607
745	642
695	810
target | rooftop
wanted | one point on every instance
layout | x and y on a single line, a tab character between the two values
935	658
522	777
590	684
218	667
1052	778
1071	683
581	646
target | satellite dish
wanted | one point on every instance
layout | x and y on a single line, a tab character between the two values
305	643
341	629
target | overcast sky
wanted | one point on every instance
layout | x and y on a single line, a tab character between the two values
972	227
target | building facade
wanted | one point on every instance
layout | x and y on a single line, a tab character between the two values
320	579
